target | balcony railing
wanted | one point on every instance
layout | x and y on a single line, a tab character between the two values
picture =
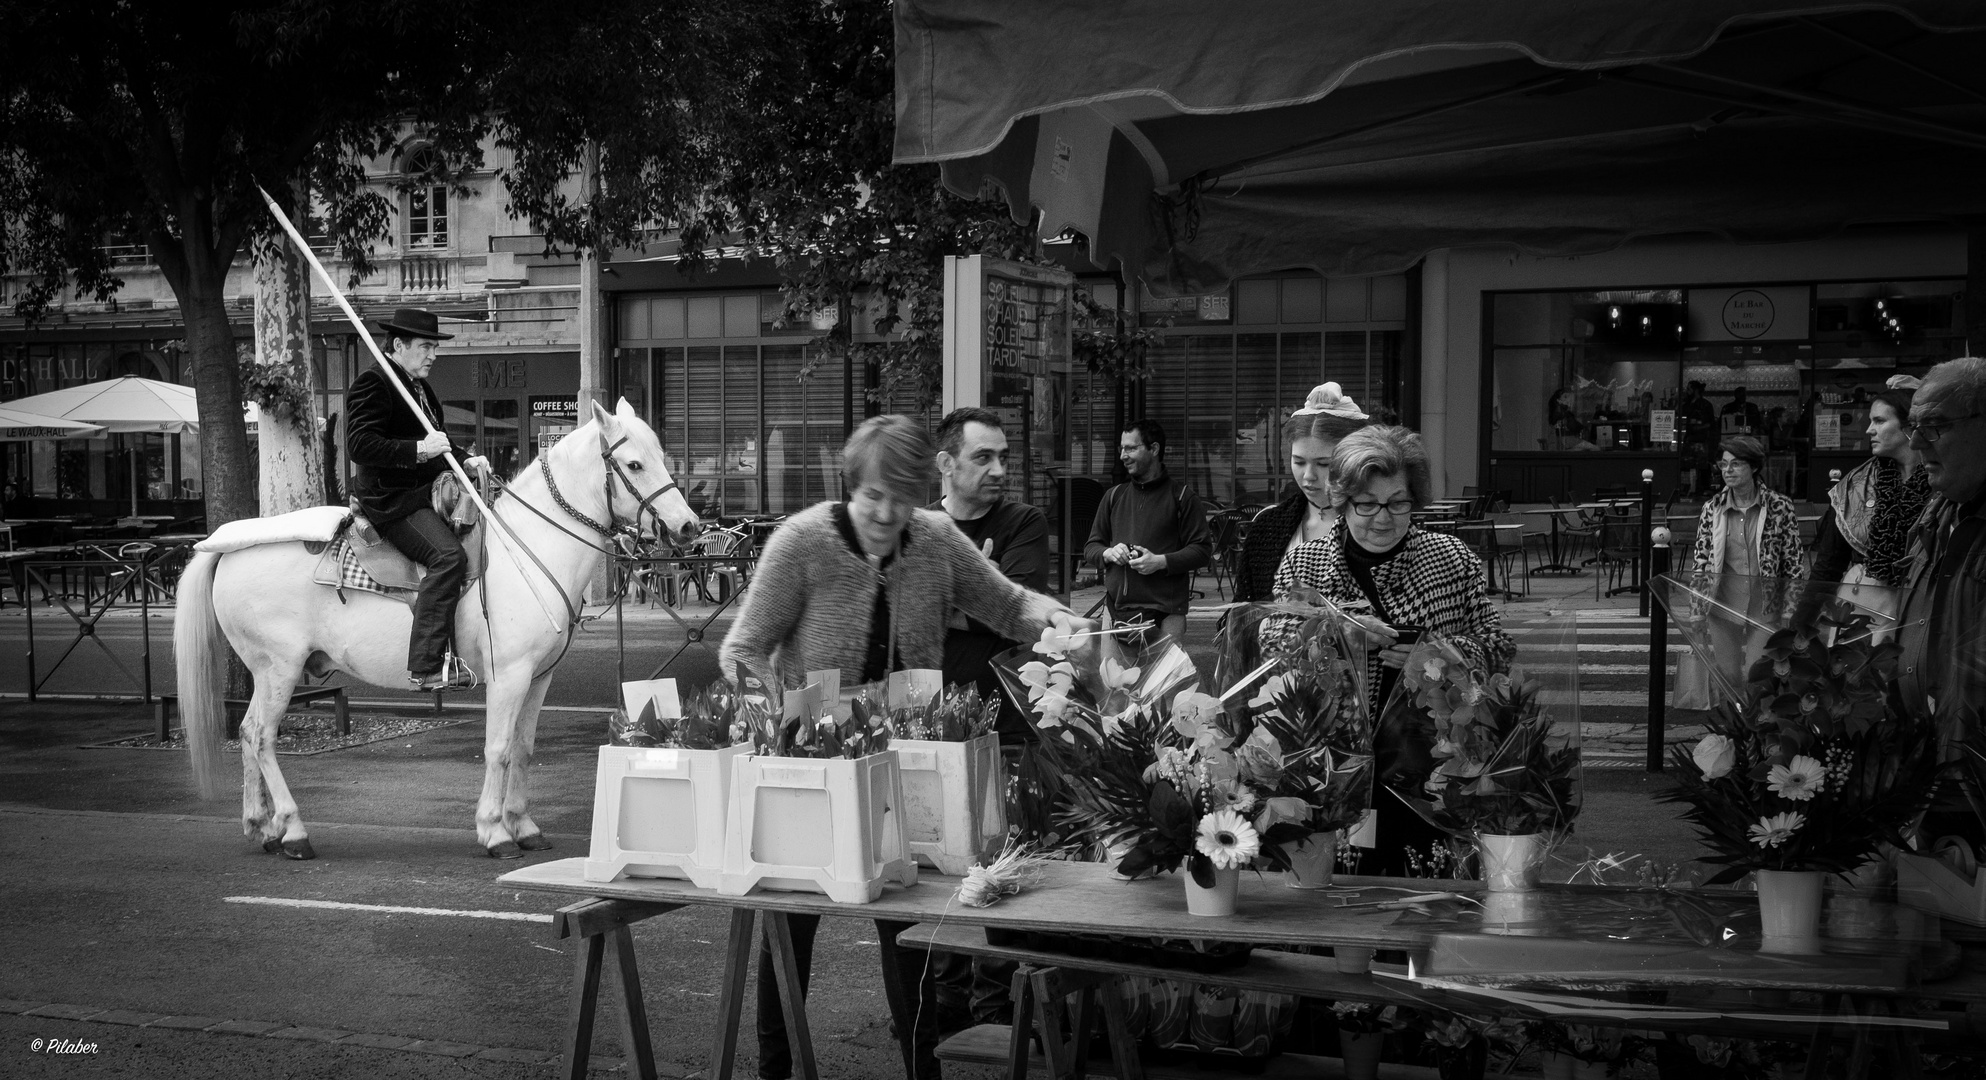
424	273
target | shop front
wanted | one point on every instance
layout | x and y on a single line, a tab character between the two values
510	406
1593	369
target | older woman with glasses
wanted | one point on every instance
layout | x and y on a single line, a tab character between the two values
1397	581
1747	529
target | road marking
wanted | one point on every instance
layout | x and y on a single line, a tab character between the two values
389	909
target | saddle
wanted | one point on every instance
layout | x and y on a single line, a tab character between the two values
357	557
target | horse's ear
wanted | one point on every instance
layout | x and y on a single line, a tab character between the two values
623	409
604	418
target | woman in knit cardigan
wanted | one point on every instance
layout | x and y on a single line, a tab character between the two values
1312	434
865	585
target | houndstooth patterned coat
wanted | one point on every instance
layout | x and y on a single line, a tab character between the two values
1436	583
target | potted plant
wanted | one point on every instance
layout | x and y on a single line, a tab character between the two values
954	781
661	790
1505	774
1805	774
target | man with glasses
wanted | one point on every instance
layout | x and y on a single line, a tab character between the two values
1150	536
1943	635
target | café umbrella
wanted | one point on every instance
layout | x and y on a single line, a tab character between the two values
19	425
124	406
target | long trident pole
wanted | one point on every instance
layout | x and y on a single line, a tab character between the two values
406	395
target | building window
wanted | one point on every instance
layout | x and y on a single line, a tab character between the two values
427	203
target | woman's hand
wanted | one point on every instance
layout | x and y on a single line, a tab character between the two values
1372	635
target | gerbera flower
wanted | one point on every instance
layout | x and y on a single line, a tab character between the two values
1228	840
1773	831
1799	780
1233	797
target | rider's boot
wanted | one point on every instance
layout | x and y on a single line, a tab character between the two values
454	675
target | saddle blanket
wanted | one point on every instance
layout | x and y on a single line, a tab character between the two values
312	525
340	568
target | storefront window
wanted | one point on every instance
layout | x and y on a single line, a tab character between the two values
503	435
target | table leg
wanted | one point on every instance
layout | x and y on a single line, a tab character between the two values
787	967
634	1012
1023	1026
731	996
1048	1019
1123	1042
585	1000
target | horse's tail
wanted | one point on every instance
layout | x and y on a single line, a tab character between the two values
200	654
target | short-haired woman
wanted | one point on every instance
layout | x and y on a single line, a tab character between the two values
1394	576
1312	434
865	585
1747	529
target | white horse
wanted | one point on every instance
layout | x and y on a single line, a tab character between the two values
607	476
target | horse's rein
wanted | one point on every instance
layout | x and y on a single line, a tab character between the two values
629	533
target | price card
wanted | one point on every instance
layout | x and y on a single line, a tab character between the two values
909	689
655	697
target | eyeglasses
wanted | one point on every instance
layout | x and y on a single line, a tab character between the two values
1731	464
1396	508
1933	430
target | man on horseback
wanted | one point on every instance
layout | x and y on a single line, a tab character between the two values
398	460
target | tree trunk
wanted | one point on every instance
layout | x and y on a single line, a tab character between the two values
292	463
224	463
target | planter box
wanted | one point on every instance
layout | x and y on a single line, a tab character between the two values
954	800
829	825
660	813
1929	884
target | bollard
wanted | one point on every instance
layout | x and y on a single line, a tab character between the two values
1658	646
1645	553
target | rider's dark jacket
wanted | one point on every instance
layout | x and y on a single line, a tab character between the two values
383	435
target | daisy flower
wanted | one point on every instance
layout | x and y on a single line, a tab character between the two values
1773	831
1799	780
1228	840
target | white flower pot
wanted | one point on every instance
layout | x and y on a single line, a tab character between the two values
827	825
1360	1052
1789	909
660	813
954	801
1511	863
1311	861
1216	901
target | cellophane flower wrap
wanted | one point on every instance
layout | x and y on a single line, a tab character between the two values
1803	765
1502	746
1297	694
1152	767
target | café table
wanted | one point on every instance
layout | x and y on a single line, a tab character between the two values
1662	959
1553	540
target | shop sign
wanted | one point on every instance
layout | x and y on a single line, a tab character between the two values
1661	426
1748	314
1827	431
552	419
1762	313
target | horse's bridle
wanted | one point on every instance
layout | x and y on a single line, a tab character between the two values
614	526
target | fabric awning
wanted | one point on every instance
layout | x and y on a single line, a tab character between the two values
1195	142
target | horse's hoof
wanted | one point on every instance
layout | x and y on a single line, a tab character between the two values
507	850
534	842
299	849
271	846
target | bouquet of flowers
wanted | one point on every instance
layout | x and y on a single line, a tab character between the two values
1308	744
815	729
708	722
956	715
1804	770
1502	761
1155	773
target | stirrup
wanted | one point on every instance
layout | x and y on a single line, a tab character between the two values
454	675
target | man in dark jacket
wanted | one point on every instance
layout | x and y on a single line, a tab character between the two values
972	465
397	459
1150	536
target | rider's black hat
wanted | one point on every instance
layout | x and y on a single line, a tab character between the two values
413	322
